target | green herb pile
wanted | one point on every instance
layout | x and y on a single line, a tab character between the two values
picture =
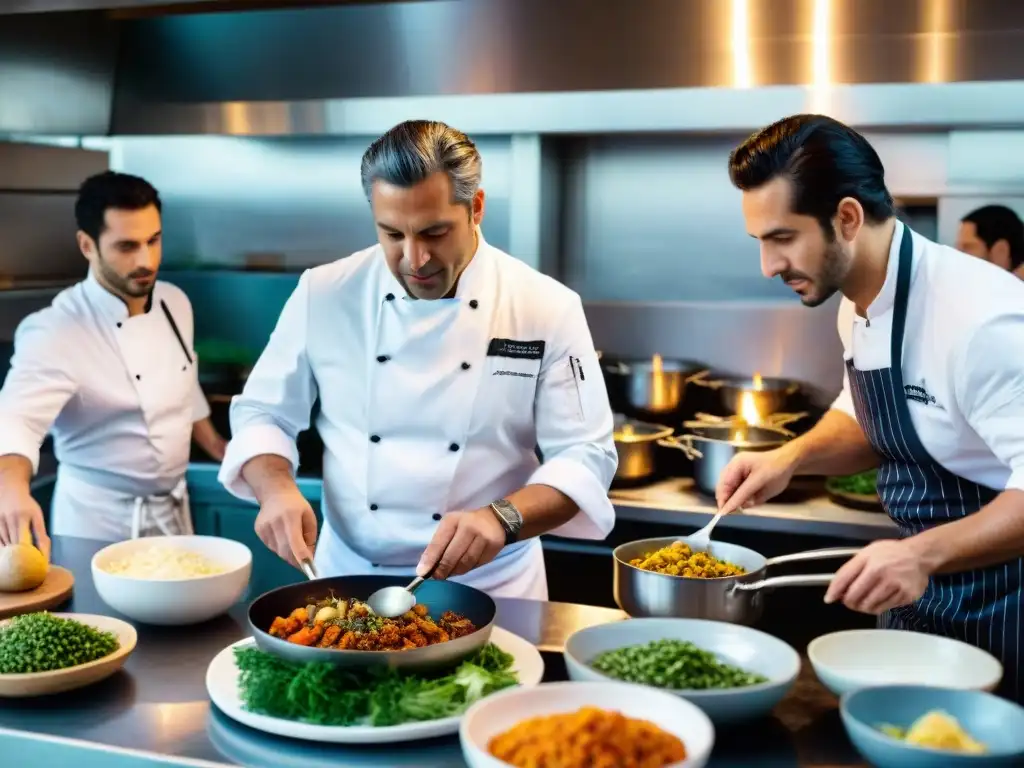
863	483
673	664
41	642
327	695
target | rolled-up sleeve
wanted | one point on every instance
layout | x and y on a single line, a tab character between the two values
275	404
575	427
38	386
988	385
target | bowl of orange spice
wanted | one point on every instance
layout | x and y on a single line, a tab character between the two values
586	725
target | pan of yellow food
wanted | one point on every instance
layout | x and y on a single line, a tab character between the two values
327	620
666	578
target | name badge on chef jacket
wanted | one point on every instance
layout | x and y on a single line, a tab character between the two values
516	350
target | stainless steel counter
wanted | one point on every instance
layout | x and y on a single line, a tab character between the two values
159	703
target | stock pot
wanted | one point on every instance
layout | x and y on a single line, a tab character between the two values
636	443
770	395
654	386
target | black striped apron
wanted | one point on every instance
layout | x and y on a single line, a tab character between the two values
981	607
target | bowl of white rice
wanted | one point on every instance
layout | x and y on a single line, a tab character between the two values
172	580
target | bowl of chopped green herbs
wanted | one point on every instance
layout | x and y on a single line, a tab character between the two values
44	653
858	491
732	672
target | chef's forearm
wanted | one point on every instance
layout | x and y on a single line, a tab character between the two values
543	509
209	439
993	535
15	474
836	445
269	475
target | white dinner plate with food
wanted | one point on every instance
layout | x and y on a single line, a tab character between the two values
222	678
21	685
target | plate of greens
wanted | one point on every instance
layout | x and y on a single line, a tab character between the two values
45	653
324	703
858	491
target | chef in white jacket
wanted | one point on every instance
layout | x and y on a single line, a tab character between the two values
440	363
109	368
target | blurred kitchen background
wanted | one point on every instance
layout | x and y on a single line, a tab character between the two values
604	128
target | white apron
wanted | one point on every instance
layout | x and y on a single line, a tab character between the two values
89	506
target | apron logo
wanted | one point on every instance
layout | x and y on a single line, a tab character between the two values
919	394
521	350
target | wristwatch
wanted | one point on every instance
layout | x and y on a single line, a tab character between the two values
509	518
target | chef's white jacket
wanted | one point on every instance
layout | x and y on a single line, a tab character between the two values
120	397
964	349
428	407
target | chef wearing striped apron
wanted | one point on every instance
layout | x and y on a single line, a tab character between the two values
933	391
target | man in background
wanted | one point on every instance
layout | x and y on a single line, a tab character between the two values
996	234
109	368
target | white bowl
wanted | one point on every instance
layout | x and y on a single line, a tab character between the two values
497	713
864	658
734	644
174	602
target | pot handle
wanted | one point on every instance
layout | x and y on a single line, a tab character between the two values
683	443
814	554
701	380
617	367
801	580
698	377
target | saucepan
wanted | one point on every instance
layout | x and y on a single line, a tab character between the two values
636	444
711	447
770	395
653	386
437	595
735	599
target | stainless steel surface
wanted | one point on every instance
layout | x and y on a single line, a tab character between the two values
309	569
38	168
224	197
652	386
701	540
736	599
57	74
771	395
712	448
635	444
188	69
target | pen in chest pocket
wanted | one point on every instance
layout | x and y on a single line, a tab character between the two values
577	377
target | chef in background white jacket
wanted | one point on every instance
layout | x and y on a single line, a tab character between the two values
110	367
440	363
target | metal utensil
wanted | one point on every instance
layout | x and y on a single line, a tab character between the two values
390	602
436	594
736	599
701	540
309	569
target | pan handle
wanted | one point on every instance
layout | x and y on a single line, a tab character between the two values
699	376
802	580
814	554
683	443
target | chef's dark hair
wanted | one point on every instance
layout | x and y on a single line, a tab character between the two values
824	159
411	151
997	222
107	190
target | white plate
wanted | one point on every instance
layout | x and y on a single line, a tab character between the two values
222	685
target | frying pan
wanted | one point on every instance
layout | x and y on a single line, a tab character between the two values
736	599
438	596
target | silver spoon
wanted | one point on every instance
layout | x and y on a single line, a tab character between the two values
390	602
701	540
309	569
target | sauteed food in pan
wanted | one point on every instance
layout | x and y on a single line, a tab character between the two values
678	559
350	624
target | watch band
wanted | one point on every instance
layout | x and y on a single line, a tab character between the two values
509	517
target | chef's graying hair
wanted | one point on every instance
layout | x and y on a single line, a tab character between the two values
416	149
107	190
825	161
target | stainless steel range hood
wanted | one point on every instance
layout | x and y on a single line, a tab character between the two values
562	66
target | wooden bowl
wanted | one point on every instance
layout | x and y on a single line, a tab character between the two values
61	680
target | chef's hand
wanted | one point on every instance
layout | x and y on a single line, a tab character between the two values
287	525
463	541
885	574
754	477
20	513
